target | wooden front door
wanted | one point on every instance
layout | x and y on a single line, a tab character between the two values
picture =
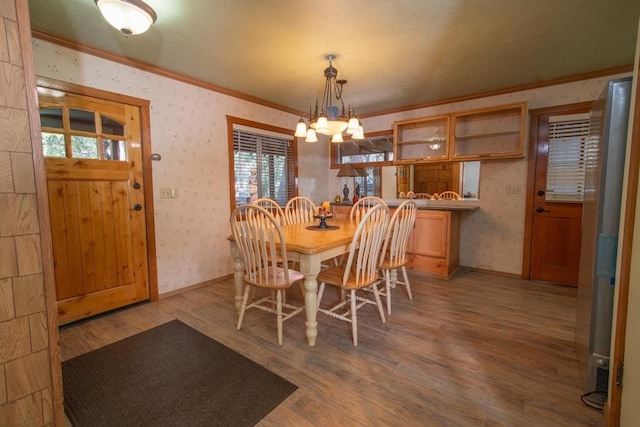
93	164
553	228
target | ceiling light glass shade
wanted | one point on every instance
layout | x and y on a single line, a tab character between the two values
337	137
311	136
301	128
358	133
329	127
321	125
353	125
329	119
129	16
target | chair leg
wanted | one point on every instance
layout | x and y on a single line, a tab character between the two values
376	293
320	293
387	281
279	309
406	282
243	307
354	317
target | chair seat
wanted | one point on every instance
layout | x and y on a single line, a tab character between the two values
334	275
387	264
279	283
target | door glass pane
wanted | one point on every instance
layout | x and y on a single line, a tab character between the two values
114	149
51	118
84	147
53	144
82	120
111	126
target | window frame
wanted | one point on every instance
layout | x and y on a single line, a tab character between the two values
257	127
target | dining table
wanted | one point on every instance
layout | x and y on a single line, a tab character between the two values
309	245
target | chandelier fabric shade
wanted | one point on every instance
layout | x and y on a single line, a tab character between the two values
131	17
330	119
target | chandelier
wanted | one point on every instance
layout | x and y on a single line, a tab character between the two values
330	119
129	16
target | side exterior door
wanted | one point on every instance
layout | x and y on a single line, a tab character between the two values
93	163
553	224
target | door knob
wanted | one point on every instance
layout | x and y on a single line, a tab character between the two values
137	207
540	209
540	192
136	185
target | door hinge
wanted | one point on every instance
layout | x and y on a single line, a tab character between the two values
619	373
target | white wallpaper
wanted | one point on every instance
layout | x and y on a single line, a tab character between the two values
188	128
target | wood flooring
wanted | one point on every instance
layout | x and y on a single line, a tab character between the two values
476	350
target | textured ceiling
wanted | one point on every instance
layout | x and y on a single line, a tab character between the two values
394	54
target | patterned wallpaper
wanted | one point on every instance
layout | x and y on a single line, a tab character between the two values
492	238
188	128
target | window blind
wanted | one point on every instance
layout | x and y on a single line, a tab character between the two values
567	157
263	167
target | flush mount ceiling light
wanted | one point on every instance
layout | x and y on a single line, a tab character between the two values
129	16
329	119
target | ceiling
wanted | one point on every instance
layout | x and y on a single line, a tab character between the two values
394	54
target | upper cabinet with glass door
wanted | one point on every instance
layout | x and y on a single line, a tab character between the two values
421	140
485	133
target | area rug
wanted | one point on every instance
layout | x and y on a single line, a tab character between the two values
171	375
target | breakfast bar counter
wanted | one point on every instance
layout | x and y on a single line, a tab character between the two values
434	244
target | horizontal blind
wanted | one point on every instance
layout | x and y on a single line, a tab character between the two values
263	167
566	160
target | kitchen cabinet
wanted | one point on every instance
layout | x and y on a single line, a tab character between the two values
486	133
421	140
434	243
341	211
496	132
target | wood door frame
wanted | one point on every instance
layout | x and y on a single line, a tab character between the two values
145	141
534	119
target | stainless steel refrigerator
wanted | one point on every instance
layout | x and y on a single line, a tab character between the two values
605	156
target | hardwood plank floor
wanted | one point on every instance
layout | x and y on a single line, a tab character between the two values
476	350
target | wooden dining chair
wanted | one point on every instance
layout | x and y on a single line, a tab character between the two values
449	195
257	235
363	205
359	272
394	251
411	195
299	210
273	207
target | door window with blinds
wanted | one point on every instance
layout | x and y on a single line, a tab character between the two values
567	157
263	165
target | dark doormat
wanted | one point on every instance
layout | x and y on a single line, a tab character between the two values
171	375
